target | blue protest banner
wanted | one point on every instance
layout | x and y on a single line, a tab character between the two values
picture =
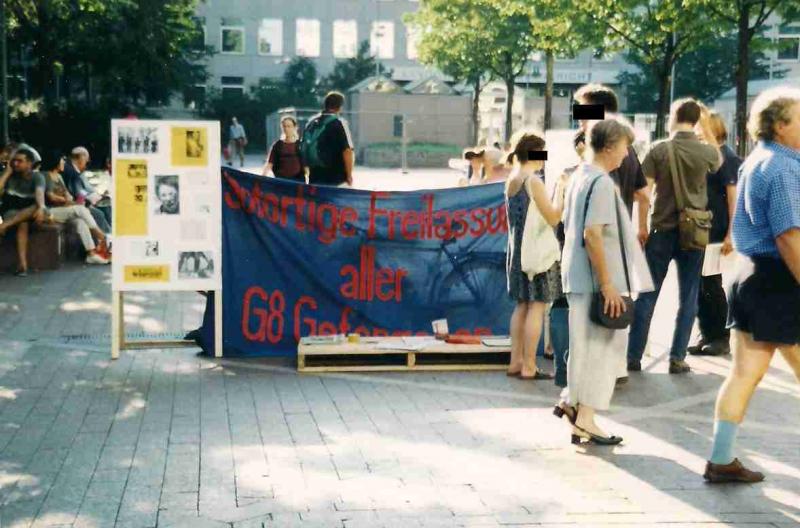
304	260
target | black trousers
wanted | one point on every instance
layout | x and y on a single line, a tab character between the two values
712	309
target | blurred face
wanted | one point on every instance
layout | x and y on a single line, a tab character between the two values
789	133
21	164
476	163
61	163
168	196
617	153
289	129
81	162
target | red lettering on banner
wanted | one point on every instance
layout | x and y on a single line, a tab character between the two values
374	212
261	313
476	215
500	225
443	231
409	218
344	325
461	226
327	328
304	300
327	229
366	283
348	216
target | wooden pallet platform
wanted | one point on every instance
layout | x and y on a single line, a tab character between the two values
365	357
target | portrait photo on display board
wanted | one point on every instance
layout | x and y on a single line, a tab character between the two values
167	195
137	140
195	265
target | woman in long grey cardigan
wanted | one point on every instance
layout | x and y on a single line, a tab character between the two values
592	262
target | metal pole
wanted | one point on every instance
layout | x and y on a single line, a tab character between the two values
404	151
4	68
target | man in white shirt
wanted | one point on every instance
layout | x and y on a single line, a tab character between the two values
237	140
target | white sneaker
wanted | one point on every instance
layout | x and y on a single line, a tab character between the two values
96	259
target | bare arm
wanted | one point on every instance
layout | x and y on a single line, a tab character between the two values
550	212
349	160
56	199
642	198
4	177
267	169
727	245
789	247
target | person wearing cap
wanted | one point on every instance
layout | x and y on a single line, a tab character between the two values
474	156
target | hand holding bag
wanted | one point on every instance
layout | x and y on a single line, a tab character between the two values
694	225
540	249
597	308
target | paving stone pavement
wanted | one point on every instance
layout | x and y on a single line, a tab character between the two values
166	438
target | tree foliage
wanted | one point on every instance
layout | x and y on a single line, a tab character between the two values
656	34
747	18
704	73
129	51
349	72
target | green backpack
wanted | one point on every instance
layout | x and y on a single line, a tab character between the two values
309	145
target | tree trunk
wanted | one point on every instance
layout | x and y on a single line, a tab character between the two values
664	80
476	95
742	71
509	108
548	91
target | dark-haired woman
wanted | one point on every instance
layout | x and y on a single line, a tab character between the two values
284	159
532	288
63	209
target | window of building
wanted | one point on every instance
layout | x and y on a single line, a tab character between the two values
232	36
307	37
413	36
232	86
270	37
789	42
398	126
381	40
345	39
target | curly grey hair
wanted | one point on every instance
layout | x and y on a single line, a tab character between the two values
771	107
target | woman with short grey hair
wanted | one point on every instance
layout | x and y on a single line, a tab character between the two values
602	259
764	298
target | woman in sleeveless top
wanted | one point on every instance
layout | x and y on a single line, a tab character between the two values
525	192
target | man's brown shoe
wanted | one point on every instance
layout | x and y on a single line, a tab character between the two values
733	472
679	367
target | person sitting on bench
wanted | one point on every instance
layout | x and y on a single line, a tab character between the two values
22	194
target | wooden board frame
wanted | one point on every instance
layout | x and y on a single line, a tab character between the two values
412	363
118	341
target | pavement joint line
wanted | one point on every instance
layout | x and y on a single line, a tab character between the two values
621	415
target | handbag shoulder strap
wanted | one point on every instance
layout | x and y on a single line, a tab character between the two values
673	169
586	206
619	233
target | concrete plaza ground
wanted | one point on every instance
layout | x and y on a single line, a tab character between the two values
167	438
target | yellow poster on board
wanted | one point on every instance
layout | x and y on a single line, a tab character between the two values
130	212
147	273
189	146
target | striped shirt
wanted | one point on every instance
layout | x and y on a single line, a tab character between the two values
768	199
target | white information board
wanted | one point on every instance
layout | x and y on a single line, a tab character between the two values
166	197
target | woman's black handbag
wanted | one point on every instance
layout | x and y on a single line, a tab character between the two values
596	312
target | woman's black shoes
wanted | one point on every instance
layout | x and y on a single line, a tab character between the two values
593	438
571	412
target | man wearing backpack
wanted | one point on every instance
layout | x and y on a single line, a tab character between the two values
326	147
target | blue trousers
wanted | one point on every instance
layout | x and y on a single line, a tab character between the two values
662	248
